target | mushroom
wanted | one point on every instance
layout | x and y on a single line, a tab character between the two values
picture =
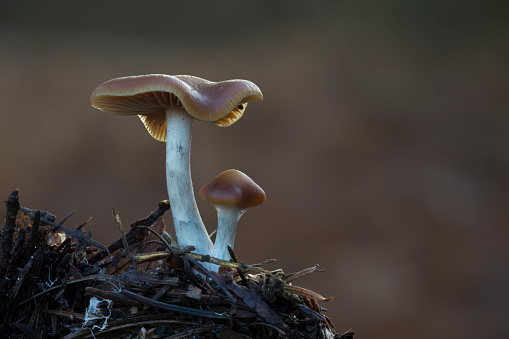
167	106
231	193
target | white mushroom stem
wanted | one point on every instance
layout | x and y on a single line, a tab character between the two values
189	227
227	220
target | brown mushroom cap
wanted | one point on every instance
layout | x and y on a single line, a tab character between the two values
148	96
233	188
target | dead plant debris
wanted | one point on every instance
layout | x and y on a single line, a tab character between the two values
57	282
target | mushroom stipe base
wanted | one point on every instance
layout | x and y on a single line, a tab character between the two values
56	286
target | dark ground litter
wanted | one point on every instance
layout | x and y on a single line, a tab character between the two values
59	283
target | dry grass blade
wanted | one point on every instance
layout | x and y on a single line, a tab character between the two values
67	216
294	276
122	233
265	262
306	293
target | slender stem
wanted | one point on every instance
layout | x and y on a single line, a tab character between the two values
189	227
227	220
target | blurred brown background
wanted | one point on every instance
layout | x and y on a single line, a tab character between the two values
382	141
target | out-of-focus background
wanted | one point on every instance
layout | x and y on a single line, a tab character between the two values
382	141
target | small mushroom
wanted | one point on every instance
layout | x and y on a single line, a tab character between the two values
167	106
231	193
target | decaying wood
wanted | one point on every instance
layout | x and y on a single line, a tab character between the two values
142	285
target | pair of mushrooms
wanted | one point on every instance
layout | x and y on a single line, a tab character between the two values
167	106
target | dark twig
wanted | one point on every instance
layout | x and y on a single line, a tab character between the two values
34	232
7	234
201	258
174	308
29	214
163	206
17	253
239	271
21	277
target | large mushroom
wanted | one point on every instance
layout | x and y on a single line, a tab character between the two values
231	193
167	106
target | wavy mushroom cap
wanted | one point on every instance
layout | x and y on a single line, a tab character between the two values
233	188
148	96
